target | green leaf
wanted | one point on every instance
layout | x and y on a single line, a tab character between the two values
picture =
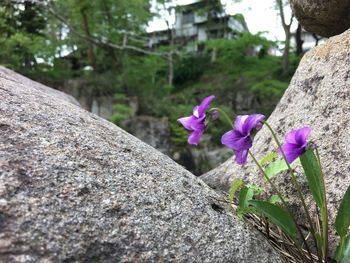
342	221
268	158
314	177
342	253
275	168
256	189
245	195
275	199
319	240
237	183
276	215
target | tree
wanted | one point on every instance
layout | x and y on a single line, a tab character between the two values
287	32
299	41
21	35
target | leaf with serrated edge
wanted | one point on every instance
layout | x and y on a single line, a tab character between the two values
237	183
268	158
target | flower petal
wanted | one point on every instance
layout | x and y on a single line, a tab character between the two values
241	157
298	136
253	121
188	122
195	137
191	123
215	115
290	137
195	111
302	135
235	140
292	151
239	122
204	105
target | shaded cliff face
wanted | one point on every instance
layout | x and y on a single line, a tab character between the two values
76	188
153	131
318	96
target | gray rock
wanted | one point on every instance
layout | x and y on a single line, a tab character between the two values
76	188
323	17
318	96
7	74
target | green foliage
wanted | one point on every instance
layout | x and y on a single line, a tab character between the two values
268	88
269	157
190	68
274	199
314	177
342	221
343	251
178	135
276	215
235	185
21	39
122	113
245	195
275	168
233	54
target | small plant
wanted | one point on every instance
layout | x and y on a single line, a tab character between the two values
272	208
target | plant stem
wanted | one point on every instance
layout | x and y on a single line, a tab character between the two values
324	211
297	186
275	189
223	114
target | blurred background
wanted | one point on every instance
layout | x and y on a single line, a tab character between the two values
142	64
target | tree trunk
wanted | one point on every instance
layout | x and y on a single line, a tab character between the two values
317	39
285	60
170	68
213	54
286	28
299	41
171	56
91	53
106	8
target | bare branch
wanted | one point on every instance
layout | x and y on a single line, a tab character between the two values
280	8
291	20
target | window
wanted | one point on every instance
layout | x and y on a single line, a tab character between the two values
187	18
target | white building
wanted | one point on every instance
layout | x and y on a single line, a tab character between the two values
193	26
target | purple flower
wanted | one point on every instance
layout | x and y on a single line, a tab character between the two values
239	139
196	122
295	143
215	115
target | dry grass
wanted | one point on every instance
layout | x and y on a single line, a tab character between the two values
281	242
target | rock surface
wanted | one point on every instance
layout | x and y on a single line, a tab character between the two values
323	17
318	96
76	188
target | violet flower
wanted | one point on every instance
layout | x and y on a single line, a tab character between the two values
215	115
240	138
196	122
296	143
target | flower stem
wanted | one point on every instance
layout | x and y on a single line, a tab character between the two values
275	189
297	186
324	211
223	114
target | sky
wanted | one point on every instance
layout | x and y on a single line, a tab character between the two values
260	15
